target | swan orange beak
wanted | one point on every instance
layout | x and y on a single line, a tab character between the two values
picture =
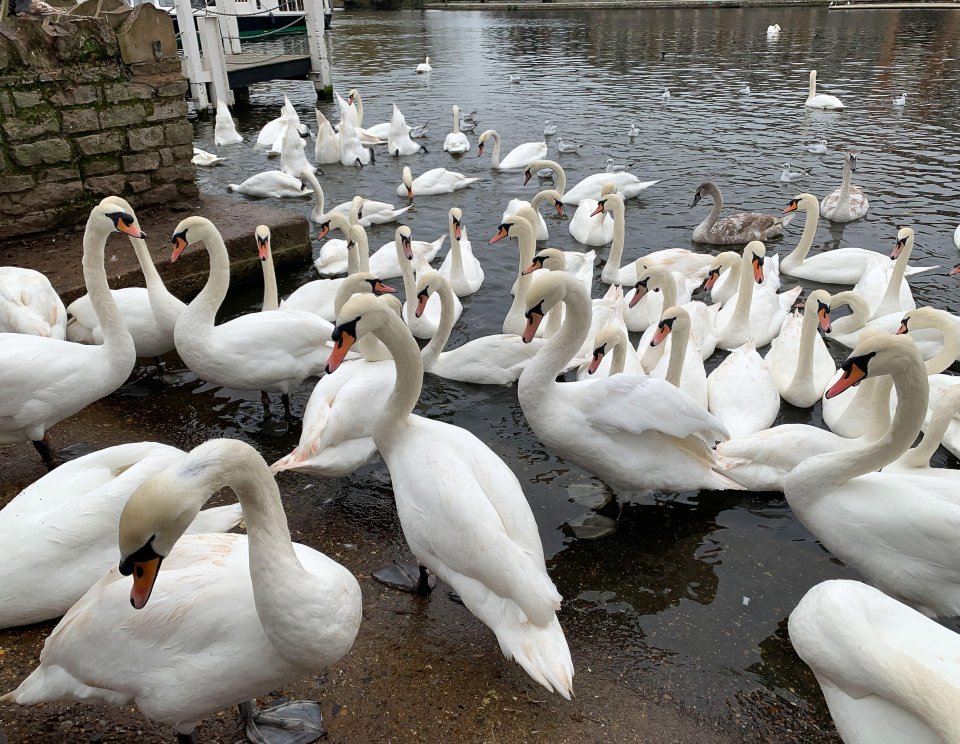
501	234
407	246
823	313
663	330
639	293
125	223
897	249
534	317
179	243
379	288
758	269
852	375
558	205
422	299
324	230
597	358
598	210
456	228
791	207
955	270
144	577
480	150
410	193
903	327
263	247
527	175
344	336
711	279
537	264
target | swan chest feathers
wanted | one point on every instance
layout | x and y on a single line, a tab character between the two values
199	645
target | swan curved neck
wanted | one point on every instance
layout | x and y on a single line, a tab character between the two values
431	352
619	355
950	350
845	183
798	254
270	298
318	198
457	257
495	155
560	175
919	456
891	296
358	256
678	351
711	219
668	286
559	349
406	391
115	333
611	269
205	305
808	337
527	245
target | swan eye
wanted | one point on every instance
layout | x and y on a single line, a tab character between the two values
141	555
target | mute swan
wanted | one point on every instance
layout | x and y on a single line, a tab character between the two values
602	363
515	205
847	203
434	181
742	392
60	532
789	176
293	153
370	212
636	433
335	252
273	130
681	260
885	669
168	653
385	261
733	229
351	149
821	100
424	66
568	147
375	135
149	314
817	148
338	419
319	296
723	279
899	531
398	137
753	314
225	131
488	360
591	187
29	304
578	263
204	159
945	403
590	229
666	292
270	298
45	380
421	316
460	267
269	352
465	517
683	368
883	286
773	31
326	148
798	358
519	157
900	100
456	142
271	184
837	266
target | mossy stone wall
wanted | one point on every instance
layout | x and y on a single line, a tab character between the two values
91	104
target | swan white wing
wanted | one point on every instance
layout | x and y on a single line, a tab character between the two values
333	258
515	205
628	185
29	304
315	297
456	142
824	101
742	393
489	360
591	230
151	337
470	278
522	155
385	265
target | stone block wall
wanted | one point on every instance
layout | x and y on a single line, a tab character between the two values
90	106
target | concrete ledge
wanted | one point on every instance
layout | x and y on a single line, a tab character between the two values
58	254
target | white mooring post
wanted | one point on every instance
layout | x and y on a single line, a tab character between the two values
214	60
229	30
319	66
192	62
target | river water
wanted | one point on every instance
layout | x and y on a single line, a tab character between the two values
689	591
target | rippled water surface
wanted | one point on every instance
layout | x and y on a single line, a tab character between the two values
691	590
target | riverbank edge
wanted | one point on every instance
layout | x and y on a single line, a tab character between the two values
58	254
621	4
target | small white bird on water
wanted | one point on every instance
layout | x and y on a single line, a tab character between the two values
773	31
900	100
424	66
515	79
817	148
745	90
549	128
204	158
789	176
666	93
567	146
633	131
614	167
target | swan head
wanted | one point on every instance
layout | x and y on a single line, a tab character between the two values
545	293
818	302
905	237
707	188
262	234
408	181
803	201
924	317
609	187
550	259
672	318
353	96
851	159
456	222
403	237
333	220
428	283
721	263
607	202
880	354
755	253
361	282
189	231
652	278
609	337
483	139
556	196
512	227
360	314
120	219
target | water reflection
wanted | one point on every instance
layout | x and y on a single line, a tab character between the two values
689	594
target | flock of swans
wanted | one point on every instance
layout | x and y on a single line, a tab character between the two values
641	418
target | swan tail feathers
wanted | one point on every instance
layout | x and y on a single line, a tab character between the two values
217	519
51	683
542	652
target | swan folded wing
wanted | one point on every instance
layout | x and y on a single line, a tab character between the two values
782	447
636	403
747	226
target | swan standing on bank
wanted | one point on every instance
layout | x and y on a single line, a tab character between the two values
456	142
465	517
45	380
29	304
733	229
519	157
60	532
821	100
636	433
290	610
847	203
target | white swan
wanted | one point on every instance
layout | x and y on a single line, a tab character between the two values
272	131
734	229
168	652
45	380
945	403
385	261
837	266
225	131
821	100
271	184
754	313
420	312
319	296
460	267
434	181
398	137
883	286
334	256
369	213
456	142
591	187
424	66
742	392
578	263
798	358
271	300
723	278
293	152
351	149
465	517
683	367
847	203
636	433
205	159
899	531
60	532
150	314
337	433
29	304
519	157
269	352
520	228
886	671
375	135
624	358
515	205
488	360
326	148
655	290
773	31
590	229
